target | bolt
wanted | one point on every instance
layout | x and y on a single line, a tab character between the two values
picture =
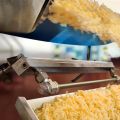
24	65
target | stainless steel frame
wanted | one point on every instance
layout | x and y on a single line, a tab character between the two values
39	67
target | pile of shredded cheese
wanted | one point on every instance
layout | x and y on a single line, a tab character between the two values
88	16
99	104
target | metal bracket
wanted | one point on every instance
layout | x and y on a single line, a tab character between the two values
114	75
21	65
17	64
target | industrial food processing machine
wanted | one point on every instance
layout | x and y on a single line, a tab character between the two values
40	67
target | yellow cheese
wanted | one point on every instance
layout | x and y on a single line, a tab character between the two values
88	16
99	104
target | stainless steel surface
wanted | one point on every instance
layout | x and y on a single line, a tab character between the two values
52	87
20	66
24	110
112	80
48	87
55	65
67	63
44	11
40	76
18	11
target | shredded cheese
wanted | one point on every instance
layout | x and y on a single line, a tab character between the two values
88	16
99	104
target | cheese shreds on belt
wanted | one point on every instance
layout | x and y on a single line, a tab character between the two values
88	16
98	104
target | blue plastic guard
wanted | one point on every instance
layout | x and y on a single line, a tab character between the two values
75	37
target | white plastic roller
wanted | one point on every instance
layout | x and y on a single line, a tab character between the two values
11	46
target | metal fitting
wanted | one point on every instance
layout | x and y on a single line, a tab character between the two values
117	79
114	75
40	76
48	87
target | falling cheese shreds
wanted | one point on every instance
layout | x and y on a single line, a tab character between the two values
98	104
88	16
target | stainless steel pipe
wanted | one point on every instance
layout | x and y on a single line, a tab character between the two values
69	85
